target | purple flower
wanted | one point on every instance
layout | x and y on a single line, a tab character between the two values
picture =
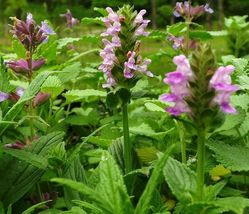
20	91
177	41
140	31
24	66
3	96
71	21
221	83
139	18
144	68
40	98
46	28
178	82
208	9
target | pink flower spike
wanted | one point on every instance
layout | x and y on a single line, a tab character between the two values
174	78
139	17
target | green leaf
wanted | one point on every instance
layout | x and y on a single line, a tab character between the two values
234	158
88	206
78	186
154	107
96	20
102	11
181	180
144	202
34	207
111	188
235	204
70	72
18	49
53	86
20	176
33	159
76	95
241	100
202	35
244	82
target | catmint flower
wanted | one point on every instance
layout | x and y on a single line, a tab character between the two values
184	82
25	66
71	21
183	9
115	53
179	85
178	42
221	83
3	96
40	98
29	33
16	145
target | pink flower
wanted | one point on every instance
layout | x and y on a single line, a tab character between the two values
178	82
221	83
139	18
23	66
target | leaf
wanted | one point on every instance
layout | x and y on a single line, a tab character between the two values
33	159
154	107
218	171
70	72
31	91
218	33
34	207
181	180
78	186
111	188
234	158
19	176
96	20
76	95
53	86
18	49
241	100
202	35
87	205
235	204
102	11
244	82
144	202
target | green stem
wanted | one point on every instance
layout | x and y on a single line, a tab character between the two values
200	163
183	148
127	144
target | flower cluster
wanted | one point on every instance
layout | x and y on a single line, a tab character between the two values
130	61
181	89
185	10
179	86
71	21
29	33
221	82
31	36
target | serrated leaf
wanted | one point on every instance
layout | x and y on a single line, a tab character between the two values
70	72
244	82
234	158
181	180
53	86
76	95
241	101
202	35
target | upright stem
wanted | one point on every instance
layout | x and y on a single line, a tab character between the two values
183	148
200	163
127	144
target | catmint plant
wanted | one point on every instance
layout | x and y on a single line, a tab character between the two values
31	36
201	91
122	63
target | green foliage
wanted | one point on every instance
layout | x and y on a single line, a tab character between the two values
181	180
233	157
